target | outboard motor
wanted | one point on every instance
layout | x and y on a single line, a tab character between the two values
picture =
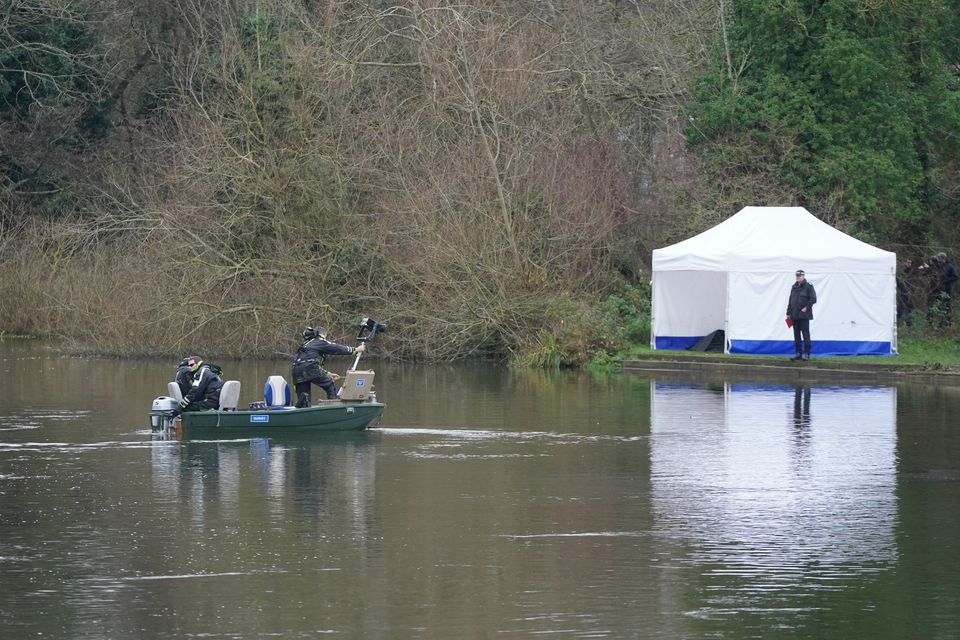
161	413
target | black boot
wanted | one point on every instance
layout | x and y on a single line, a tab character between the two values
303	400
797	357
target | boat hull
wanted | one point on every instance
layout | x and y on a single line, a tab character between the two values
334	416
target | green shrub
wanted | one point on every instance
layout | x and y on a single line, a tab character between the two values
626	316
575	332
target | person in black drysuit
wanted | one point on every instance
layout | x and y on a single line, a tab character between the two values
308	364
182	377
800	310
205	386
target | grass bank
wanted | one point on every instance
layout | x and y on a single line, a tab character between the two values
934	353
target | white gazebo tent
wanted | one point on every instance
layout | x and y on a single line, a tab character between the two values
736	277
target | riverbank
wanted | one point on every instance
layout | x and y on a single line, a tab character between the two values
903	368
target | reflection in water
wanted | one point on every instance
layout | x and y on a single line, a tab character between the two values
296	478
774	490
801	408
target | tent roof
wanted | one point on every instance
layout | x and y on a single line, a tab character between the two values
774	239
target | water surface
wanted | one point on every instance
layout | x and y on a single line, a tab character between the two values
487	503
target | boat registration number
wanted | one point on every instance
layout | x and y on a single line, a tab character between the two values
259	418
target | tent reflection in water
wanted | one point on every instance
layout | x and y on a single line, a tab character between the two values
736	277
776	485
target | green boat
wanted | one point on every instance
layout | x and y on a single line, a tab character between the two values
356	409
335	415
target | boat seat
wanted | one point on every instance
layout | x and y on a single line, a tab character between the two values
230	395
173	389
276	392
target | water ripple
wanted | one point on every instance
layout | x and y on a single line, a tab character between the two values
577	534
73	447
482	434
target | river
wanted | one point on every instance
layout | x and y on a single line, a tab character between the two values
487	503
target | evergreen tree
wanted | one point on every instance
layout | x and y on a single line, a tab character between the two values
852	105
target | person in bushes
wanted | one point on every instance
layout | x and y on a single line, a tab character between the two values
800	311
205	386
308	364
945	275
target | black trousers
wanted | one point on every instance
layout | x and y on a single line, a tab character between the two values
303	389
801	328
204	404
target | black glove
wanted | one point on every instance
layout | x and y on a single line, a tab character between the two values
175	412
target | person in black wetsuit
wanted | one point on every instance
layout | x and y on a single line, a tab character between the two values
308	364
205	386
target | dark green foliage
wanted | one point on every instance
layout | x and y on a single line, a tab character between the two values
54	100
45	58
626	316
851	105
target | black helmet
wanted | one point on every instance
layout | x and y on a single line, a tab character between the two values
310	333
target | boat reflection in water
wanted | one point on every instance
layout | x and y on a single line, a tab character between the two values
773	493
279	479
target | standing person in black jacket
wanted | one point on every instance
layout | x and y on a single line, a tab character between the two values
308	364
205	386
800	310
